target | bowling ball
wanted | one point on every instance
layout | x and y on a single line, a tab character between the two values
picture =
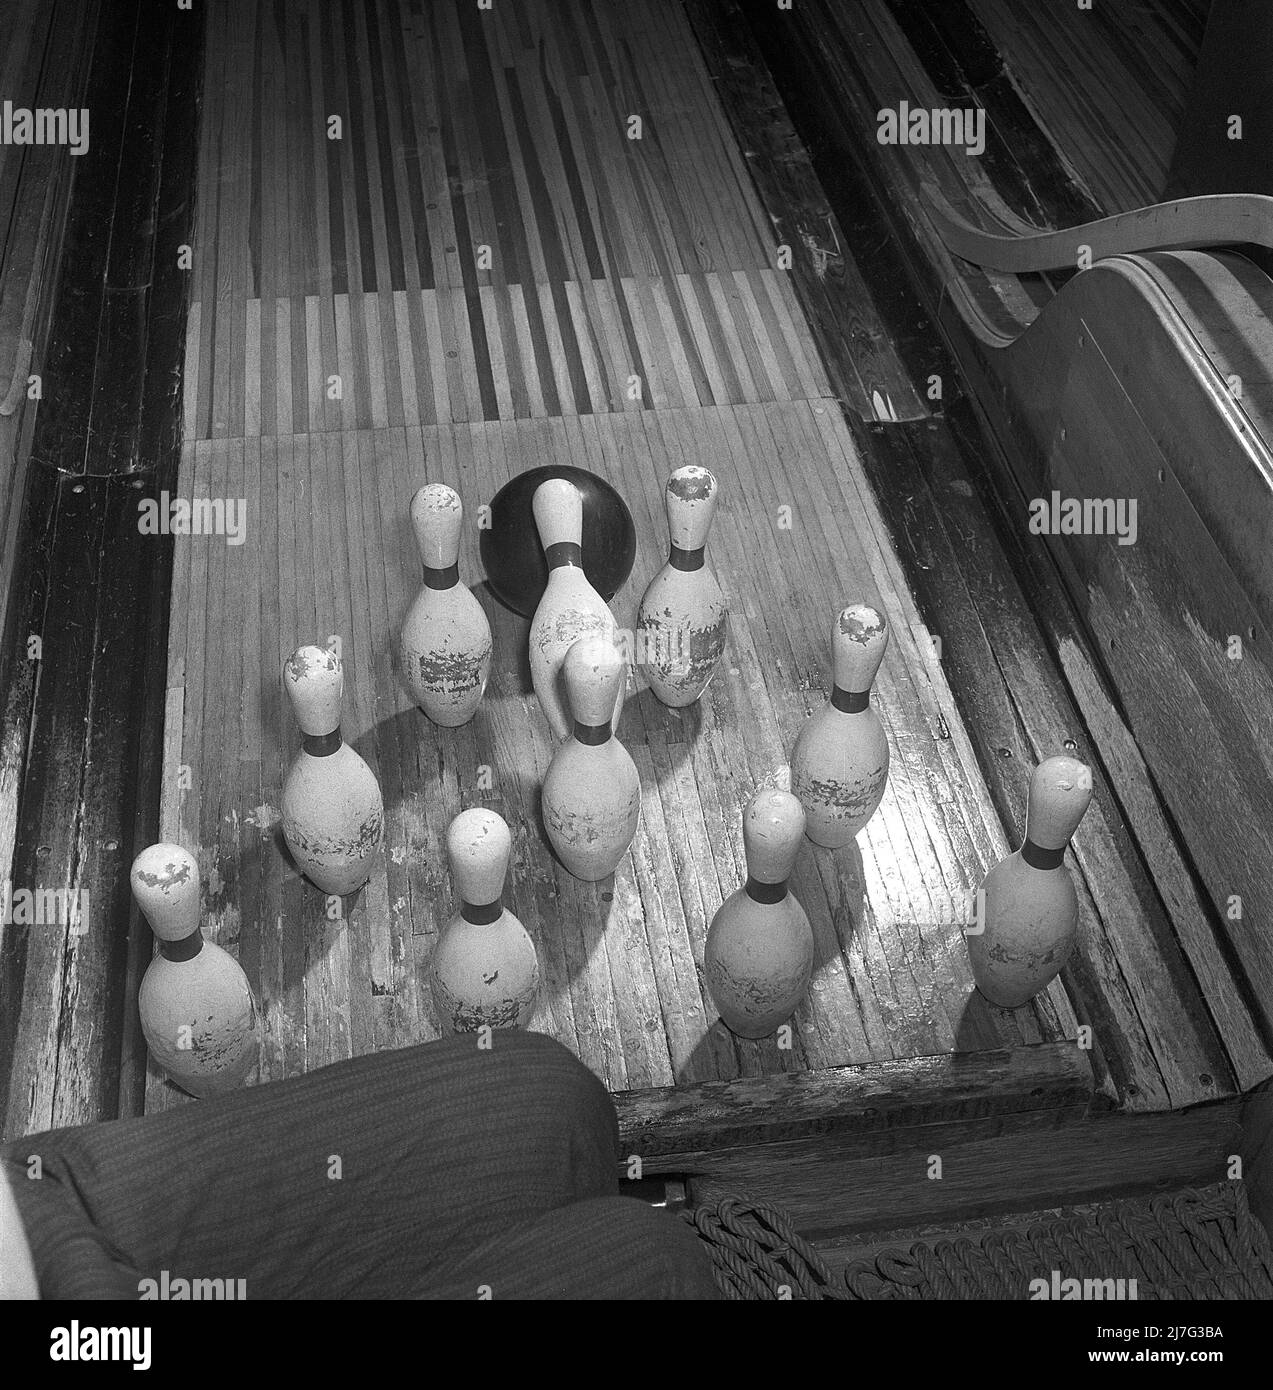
514	559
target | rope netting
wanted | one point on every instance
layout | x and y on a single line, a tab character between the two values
1189	1244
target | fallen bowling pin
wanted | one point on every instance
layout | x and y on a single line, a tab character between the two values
445	643
570	608
758	959
682	616
1029	911
592	793
839	765
333	813
198	1013
484	971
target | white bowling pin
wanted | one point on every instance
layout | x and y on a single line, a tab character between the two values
758	959
570	608
839	765
484	971
333	813
198	1013
681	619
1029	911
592	793
445	644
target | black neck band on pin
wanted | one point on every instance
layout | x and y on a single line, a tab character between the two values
482	914
592	733
1039	858
766	892
564	553
185	949
322	745
688	560
441	578
850	701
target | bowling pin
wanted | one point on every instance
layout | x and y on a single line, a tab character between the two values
758	959
592	794
333	813
570	608
681	619
1029	912
839	764
198	1014
445	644
484	971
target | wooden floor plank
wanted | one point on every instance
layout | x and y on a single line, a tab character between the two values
614	261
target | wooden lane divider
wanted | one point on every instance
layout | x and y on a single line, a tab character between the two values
1223	219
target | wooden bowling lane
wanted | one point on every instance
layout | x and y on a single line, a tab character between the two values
613	259
330	553
610	258
519	352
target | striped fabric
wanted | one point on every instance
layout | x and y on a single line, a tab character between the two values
438	1171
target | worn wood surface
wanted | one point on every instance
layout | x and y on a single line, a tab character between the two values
1150	975
1109	85
606	257
1142	408
838	302
541	345
80	738
44	64
621	960
670	1127
854	1183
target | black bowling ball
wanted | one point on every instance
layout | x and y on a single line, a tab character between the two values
514	559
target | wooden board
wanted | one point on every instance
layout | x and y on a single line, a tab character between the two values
484	238
864	1182
1142	410
1109	84
1149	975
328	553
613	260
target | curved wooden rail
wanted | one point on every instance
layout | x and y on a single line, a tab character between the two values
1222	219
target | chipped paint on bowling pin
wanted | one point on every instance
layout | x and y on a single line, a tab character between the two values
198	1014
839	765
484	971
682	617
1030	909
758	959
592	793
333	813
445	644
570	608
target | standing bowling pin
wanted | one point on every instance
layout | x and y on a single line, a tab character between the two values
198	1014
1029	911
570	608
592	794
333	813
484	971
445	645
759	954
681	620
839	765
